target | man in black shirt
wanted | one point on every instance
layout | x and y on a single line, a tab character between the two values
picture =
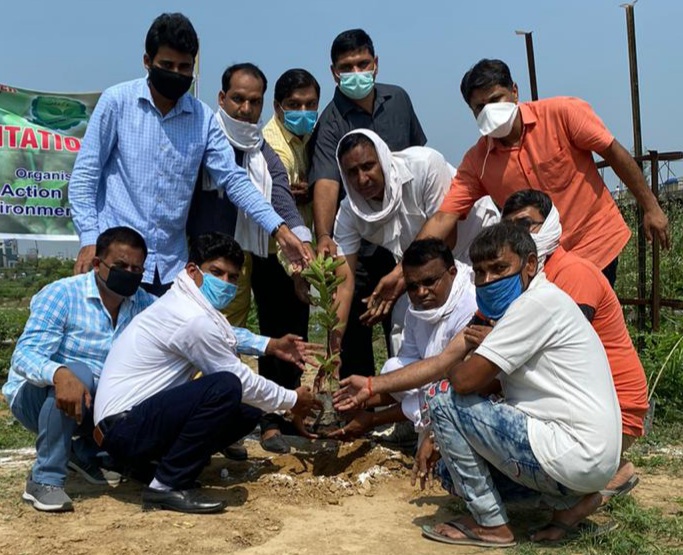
358	102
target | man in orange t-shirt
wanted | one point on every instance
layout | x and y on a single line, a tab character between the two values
546	145
584	283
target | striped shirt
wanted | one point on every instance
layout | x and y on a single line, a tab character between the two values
68	323
138	168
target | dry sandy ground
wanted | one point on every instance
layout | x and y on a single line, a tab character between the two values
337	499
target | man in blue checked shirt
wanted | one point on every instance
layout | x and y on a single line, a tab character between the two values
141	154
59	357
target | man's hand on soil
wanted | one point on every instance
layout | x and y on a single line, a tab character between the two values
425	460
361	423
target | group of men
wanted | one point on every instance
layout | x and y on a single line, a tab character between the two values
509	352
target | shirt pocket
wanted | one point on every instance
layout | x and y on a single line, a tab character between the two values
185	160
555	173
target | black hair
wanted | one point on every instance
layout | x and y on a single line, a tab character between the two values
350	41
525	198
120	234
173	30
484	75
421	251
214	245
493	239
353	140
292	80
247	67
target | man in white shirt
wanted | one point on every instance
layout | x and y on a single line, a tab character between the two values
556	432
389	196
149	407
442	302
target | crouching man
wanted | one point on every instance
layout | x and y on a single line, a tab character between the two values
557	430
58	359
442	302
150	409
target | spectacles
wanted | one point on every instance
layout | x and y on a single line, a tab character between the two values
527	223
427	283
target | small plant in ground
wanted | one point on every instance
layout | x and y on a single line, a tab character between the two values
321	274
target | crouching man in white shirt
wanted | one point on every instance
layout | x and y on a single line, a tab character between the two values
442	302
148	406
556	433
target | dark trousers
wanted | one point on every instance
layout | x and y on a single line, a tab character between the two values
357	355
156	288
610	271
182	427
279	312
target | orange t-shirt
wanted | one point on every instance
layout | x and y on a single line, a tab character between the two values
555	156
584	283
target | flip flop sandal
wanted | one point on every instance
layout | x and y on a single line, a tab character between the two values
470	537
584	529
623	489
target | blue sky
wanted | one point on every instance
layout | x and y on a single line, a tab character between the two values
426	46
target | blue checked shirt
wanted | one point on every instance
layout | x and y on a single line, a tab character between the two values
138	168
68	323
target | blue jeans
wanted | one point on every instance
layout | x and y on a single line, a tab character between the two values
475	434
35	407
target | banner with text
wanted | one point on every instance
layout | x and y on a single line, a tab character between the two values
40	135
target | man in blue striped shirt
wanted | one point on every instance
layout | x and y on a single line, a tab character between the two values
59	357
142	151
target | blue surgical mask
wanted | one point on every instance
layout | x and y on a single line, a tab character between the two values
356	85
494	297
219	293
300	122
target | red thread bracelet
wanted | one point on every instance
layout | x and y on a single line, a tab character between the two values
370	385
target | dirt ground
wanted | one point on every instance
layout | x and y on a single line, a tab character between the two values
326	497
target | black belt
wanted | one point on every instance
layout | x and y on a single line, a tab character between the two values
106	425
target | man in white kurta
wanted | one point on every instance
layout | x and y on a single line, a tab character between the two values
389	196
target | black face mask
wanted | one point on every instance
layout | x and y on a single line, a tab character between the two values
169	84
122	282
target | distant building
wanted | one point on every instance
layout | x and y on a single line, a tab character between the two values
9	253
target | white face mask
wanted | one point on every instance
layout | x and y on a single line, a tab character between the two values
497	118
548	237
242	134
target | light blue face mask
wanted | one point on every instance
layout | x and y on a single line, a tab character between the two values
495	297
300	122
356	85
219	293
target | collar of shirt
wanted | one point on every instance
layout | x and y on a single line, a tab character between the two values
184	103
346	105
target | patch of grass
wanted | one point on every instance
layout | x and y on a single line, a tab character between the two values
13	435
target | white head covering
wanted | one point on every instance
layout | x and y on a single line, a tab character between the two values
248	138
439	316
548	237
396	174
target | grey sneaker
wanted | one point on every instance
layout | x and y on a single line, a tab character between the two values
92	473
44	497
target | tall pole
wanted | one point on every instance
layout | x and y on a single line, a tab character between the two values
531	62
637	152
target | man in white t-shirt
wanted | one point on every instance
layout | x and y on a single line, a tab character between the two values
557	430
149	407
389	196
442	302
